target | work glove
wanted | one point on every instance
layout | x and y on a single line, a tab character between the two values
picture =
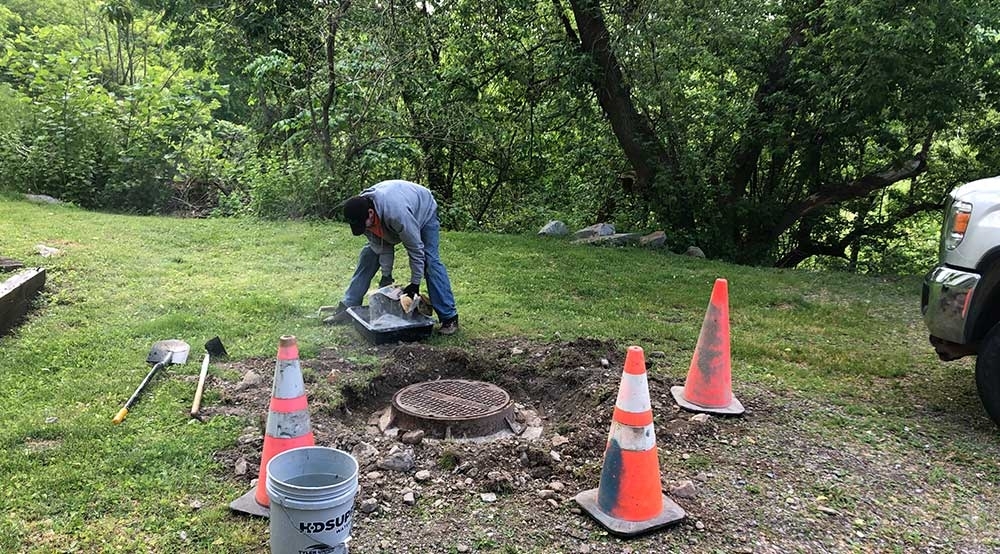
412	290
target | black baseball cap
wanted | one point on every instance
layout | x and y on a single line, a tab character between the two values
356	213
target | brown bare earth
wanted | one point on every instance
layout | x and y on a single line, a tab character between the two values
769	481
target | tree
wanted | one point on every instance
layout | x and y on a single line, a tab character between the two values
847	105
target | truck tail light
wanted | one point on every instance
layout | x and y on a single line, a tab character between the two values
956	224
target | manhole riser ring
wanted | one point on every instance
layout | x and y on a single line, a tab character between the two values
453	408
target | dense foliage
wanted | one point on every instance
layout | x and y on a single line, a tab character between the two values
765	132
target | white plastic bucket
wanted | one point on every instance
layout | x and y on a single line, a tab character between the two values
312	492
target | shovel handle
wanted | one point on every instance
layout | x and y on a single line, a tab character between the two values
196	405
120	416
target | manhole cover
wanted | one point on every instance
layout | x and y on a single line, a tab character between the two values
453	408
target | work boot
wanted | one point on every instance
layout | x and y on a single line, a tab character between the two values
340	315
385	281
449	326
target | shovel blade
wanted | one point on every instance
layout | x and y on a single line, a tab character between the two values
178	350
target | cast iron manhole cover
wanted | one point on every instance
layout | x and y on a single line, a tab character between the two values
453	408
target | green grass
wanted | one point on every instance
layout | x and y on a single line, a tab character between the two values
73	482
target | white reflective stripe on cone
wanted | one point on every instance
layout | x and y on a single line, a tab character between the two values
288	380
288	425
636	439
633	396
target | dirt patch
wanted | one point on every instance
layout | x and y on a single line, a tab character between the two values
769	481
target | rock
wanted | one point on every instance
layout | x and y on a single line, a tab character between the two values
251	379
398	460
617	239
413	437
694	252
557	486
699	525
499	481
596	230
655	239
409	498
546	494
605	363
364	453
250	437
559	440
462	548
700	418
241	467
684	489
554	228
556	457
47	251
195	504
422	475
488	497
516	351
51	419
368	506
41	199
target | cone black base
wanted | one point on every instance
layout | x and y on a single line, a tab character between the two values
247	504
671	513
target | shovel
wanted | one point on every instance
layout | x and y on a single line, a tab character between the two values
163	353
212	348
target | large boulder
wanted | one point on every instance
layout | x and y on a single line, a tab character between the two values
617	239
596	230
554	228
655	239
41	199
694	252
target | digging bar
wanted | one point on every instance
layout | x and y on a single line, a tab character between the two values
212	348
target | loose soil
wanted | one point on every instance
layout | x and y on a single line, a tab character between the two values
769	481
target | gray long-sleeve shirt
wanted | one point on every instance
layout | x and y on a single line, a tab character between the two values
403	208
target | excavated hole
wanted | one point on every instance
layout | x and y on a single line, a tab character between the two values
562	393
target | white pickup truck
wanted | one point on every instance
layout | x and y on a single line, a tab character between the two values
961	296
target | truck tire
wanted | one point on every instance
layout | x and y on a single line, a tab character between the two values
988	373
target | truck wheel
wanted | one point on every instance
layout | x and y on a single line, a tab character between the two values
988	373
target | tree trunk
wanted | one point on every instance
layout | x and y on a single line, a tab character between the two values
332	25
657	176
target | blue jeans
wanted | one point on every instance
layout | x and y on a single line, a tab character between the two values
438	284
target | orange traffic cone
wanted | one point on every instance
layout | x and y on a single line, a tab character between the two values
288	424
629	500
709	381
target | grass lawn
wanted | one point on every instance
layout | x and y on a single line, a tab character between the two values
73	482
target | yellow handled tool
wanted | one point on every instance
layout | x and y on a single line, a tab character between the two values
163	353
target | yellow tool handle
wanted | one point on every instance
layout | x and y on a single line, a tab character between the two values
120	416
